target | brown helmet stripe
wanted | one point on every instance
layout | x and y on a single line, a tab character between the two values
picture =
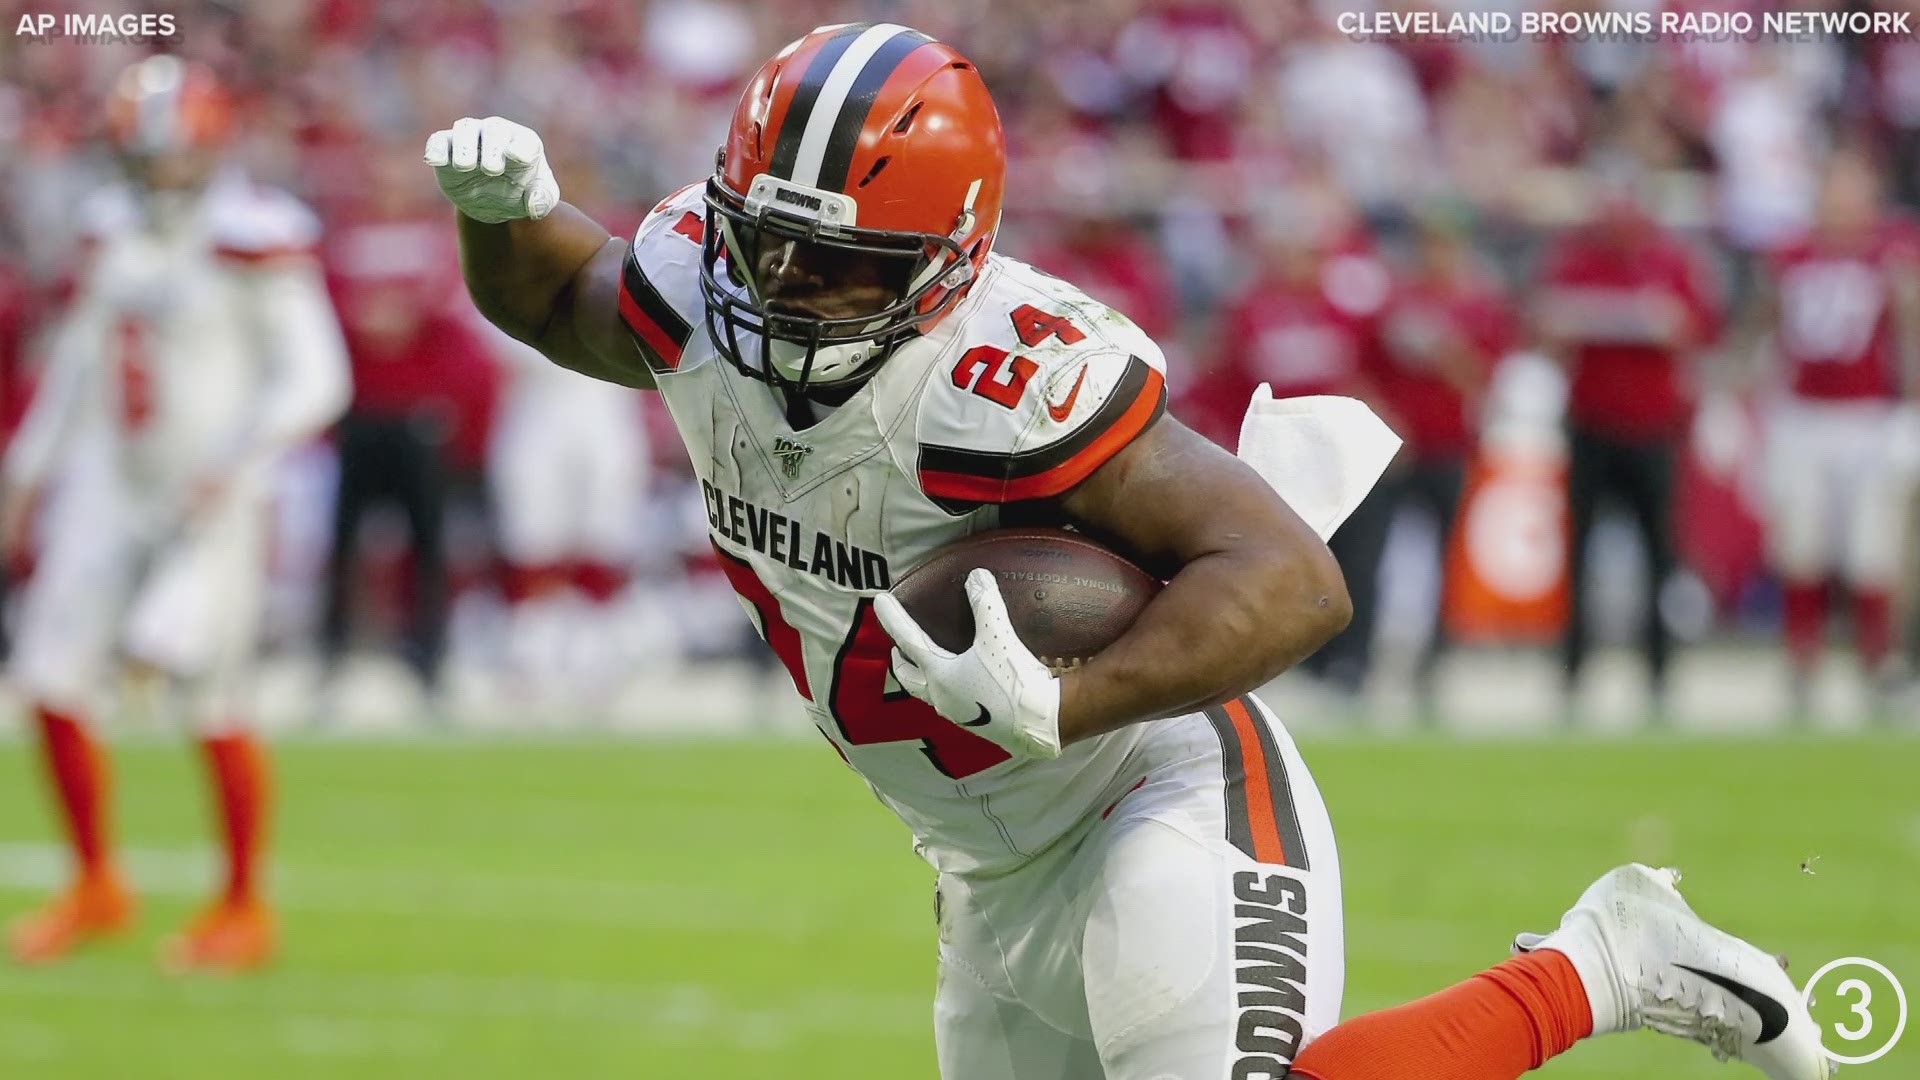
826	93
838	159
787	149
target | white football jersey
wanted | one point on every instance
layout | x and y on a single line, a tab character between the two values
200	341
1019	393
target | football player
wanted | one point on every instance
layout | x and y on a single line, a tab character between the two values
1137	875
200	347
1844	316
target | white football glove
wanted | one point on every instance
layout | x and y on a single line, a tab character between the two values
493	170
997	688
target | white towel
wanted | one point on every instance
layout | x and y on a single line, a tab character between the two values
1322	454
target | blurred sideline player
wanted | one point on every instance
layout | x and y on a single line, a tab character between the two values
199	348
568	466
1627	306
1844	315
1138	877
1446	327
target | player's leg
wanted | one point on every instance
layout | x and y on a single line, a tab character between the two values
1630	954
197	619
613	480
62	656
534	505
979	1036
1588	473
361	482
613	485
418	460
1213	944
1647	484
984	1033
1799	538
1440	484
1876	492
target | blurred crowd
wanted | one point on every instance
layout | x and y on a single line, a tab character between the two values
1554	265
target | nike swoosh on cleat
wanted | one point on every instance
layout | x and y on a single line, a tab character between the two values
1063	410
985	719
1773	1015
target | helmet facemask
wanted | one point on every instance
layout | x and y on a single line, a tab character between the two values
921	274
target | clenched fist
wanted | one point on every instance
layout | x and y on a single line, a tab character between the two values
493	170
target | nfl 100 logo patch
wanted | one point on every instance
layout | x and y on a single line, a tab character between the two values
790	454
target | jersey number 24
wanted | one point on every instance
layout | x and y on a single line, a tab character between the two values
863	708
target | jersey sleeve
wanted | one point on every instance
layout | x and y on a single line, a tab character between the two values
1075	409
660	299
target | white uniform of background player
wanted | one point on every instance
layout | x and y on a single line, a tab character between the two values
569	466
199	348
1160	901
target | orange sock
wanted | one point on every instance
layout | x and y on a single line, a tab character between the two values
79	773
1495	1026
239	769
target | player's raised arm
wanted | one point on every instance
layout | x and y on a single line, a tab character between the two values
1251	590
536	267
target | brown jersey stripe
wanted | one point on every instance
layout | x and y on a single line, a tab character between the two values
1234	769
959	479
1261	818
661	329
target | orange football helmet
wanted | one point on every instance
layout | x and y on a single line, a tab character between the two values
872	139
161	105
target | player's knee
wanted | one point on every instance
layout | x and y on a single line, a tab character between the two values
1156	935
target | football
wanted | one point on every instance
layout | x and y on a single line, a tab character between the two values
1068	596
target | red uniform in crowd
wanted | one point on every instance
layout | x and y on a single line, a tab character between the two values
1629	377
423	395
412	348
1835	336
1198	60
1624	304
1838	477
1439	339
1307	324
1440	336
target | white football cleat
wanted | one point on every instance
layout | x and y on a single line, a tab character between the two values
1647	960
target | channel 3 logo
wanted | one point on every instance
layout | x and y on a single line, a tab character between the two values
1860	1008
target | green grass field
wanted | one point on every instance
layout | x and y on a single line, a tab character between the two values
720	910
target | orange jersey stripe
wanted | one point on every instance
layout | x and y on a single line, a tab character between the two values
1267	846
1067	474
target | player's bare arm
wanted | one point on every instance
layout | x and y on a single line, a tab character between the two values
1250	592
536	267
